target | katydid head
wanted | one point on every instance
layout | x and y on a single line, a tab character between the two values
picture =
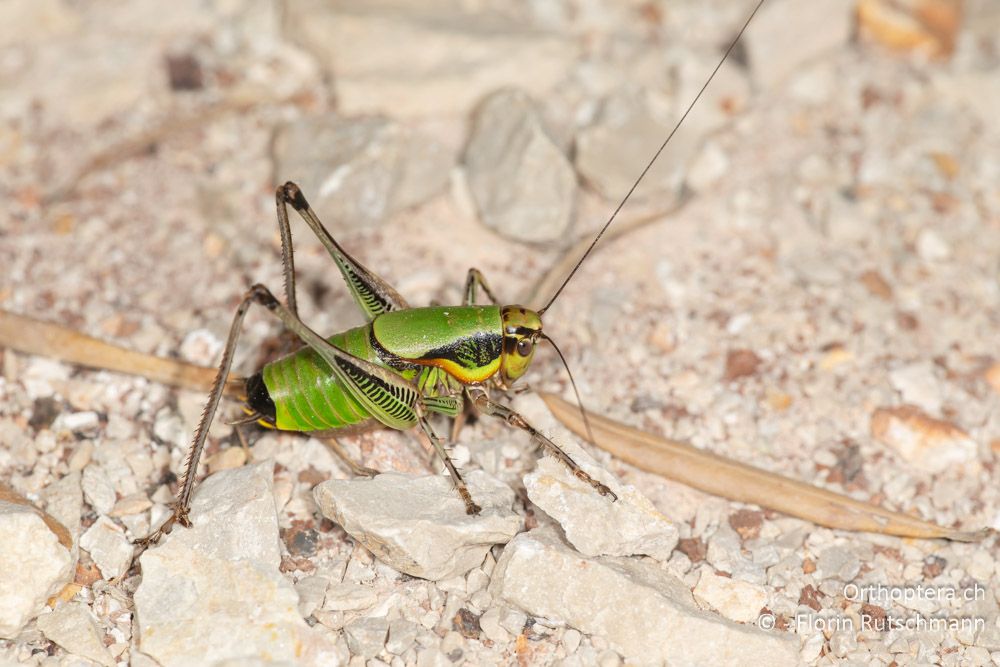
521	329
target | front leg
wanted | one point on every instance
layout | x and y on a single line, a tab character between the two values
483	403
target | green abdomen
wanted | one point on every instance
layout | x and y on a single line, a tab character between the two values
308	396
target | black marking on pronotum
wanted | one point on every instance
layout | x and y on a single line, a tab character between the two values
259	398
388	358
470	352
388	397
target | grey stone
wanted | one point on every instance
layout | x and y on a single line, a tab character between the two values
593	523
72	626
200	582
366	636
818	26
97	489
644	613
356	172
34	566
612	151
418	525
108	546
522	184
402	634
418	59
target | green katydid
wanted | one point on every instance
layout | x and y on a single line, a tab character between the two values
399	366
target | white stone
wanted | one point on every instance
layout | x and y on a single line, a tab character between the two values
419	59
311	590
34	566
214	592
360	171
418	525
644	613
366	636
593	523
818	26
931	247
522	184
918	384
108	547
78	422
737	600
64	502
97	489
710	164
349	597
73	627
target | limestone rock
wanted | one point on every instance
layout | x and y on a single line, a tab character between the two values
417	59
611	152
735	599
593	524
34	566
928	443
214	592
822	25
72	626
644	613
108	546
356	172
522	184
98	489
418	525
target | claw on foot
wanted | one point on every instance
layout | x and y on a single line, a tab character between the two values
471	508
600	488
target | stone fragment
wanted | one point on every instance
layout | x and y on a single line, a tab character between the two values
97	489
34	566
737	600
818	26
489	623
611	152
740	363
402	634
928	443
78	422
346	596
72	627
214	592
311	592
918	384
231	457
108	547
926	26
420	59
64	502
931	247
522	184
356	172
593	523
418	525
992	376
135	503
366	636
644	613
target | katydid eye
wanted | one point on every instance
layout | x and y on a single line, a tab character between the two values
524	347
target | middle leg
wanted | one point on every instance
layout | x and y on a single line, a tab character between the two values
483	403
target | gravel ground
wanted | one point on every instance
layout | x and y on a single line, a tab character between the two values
824	304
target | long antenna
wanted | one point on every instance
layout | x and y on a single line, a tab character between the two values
579	401
654	158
